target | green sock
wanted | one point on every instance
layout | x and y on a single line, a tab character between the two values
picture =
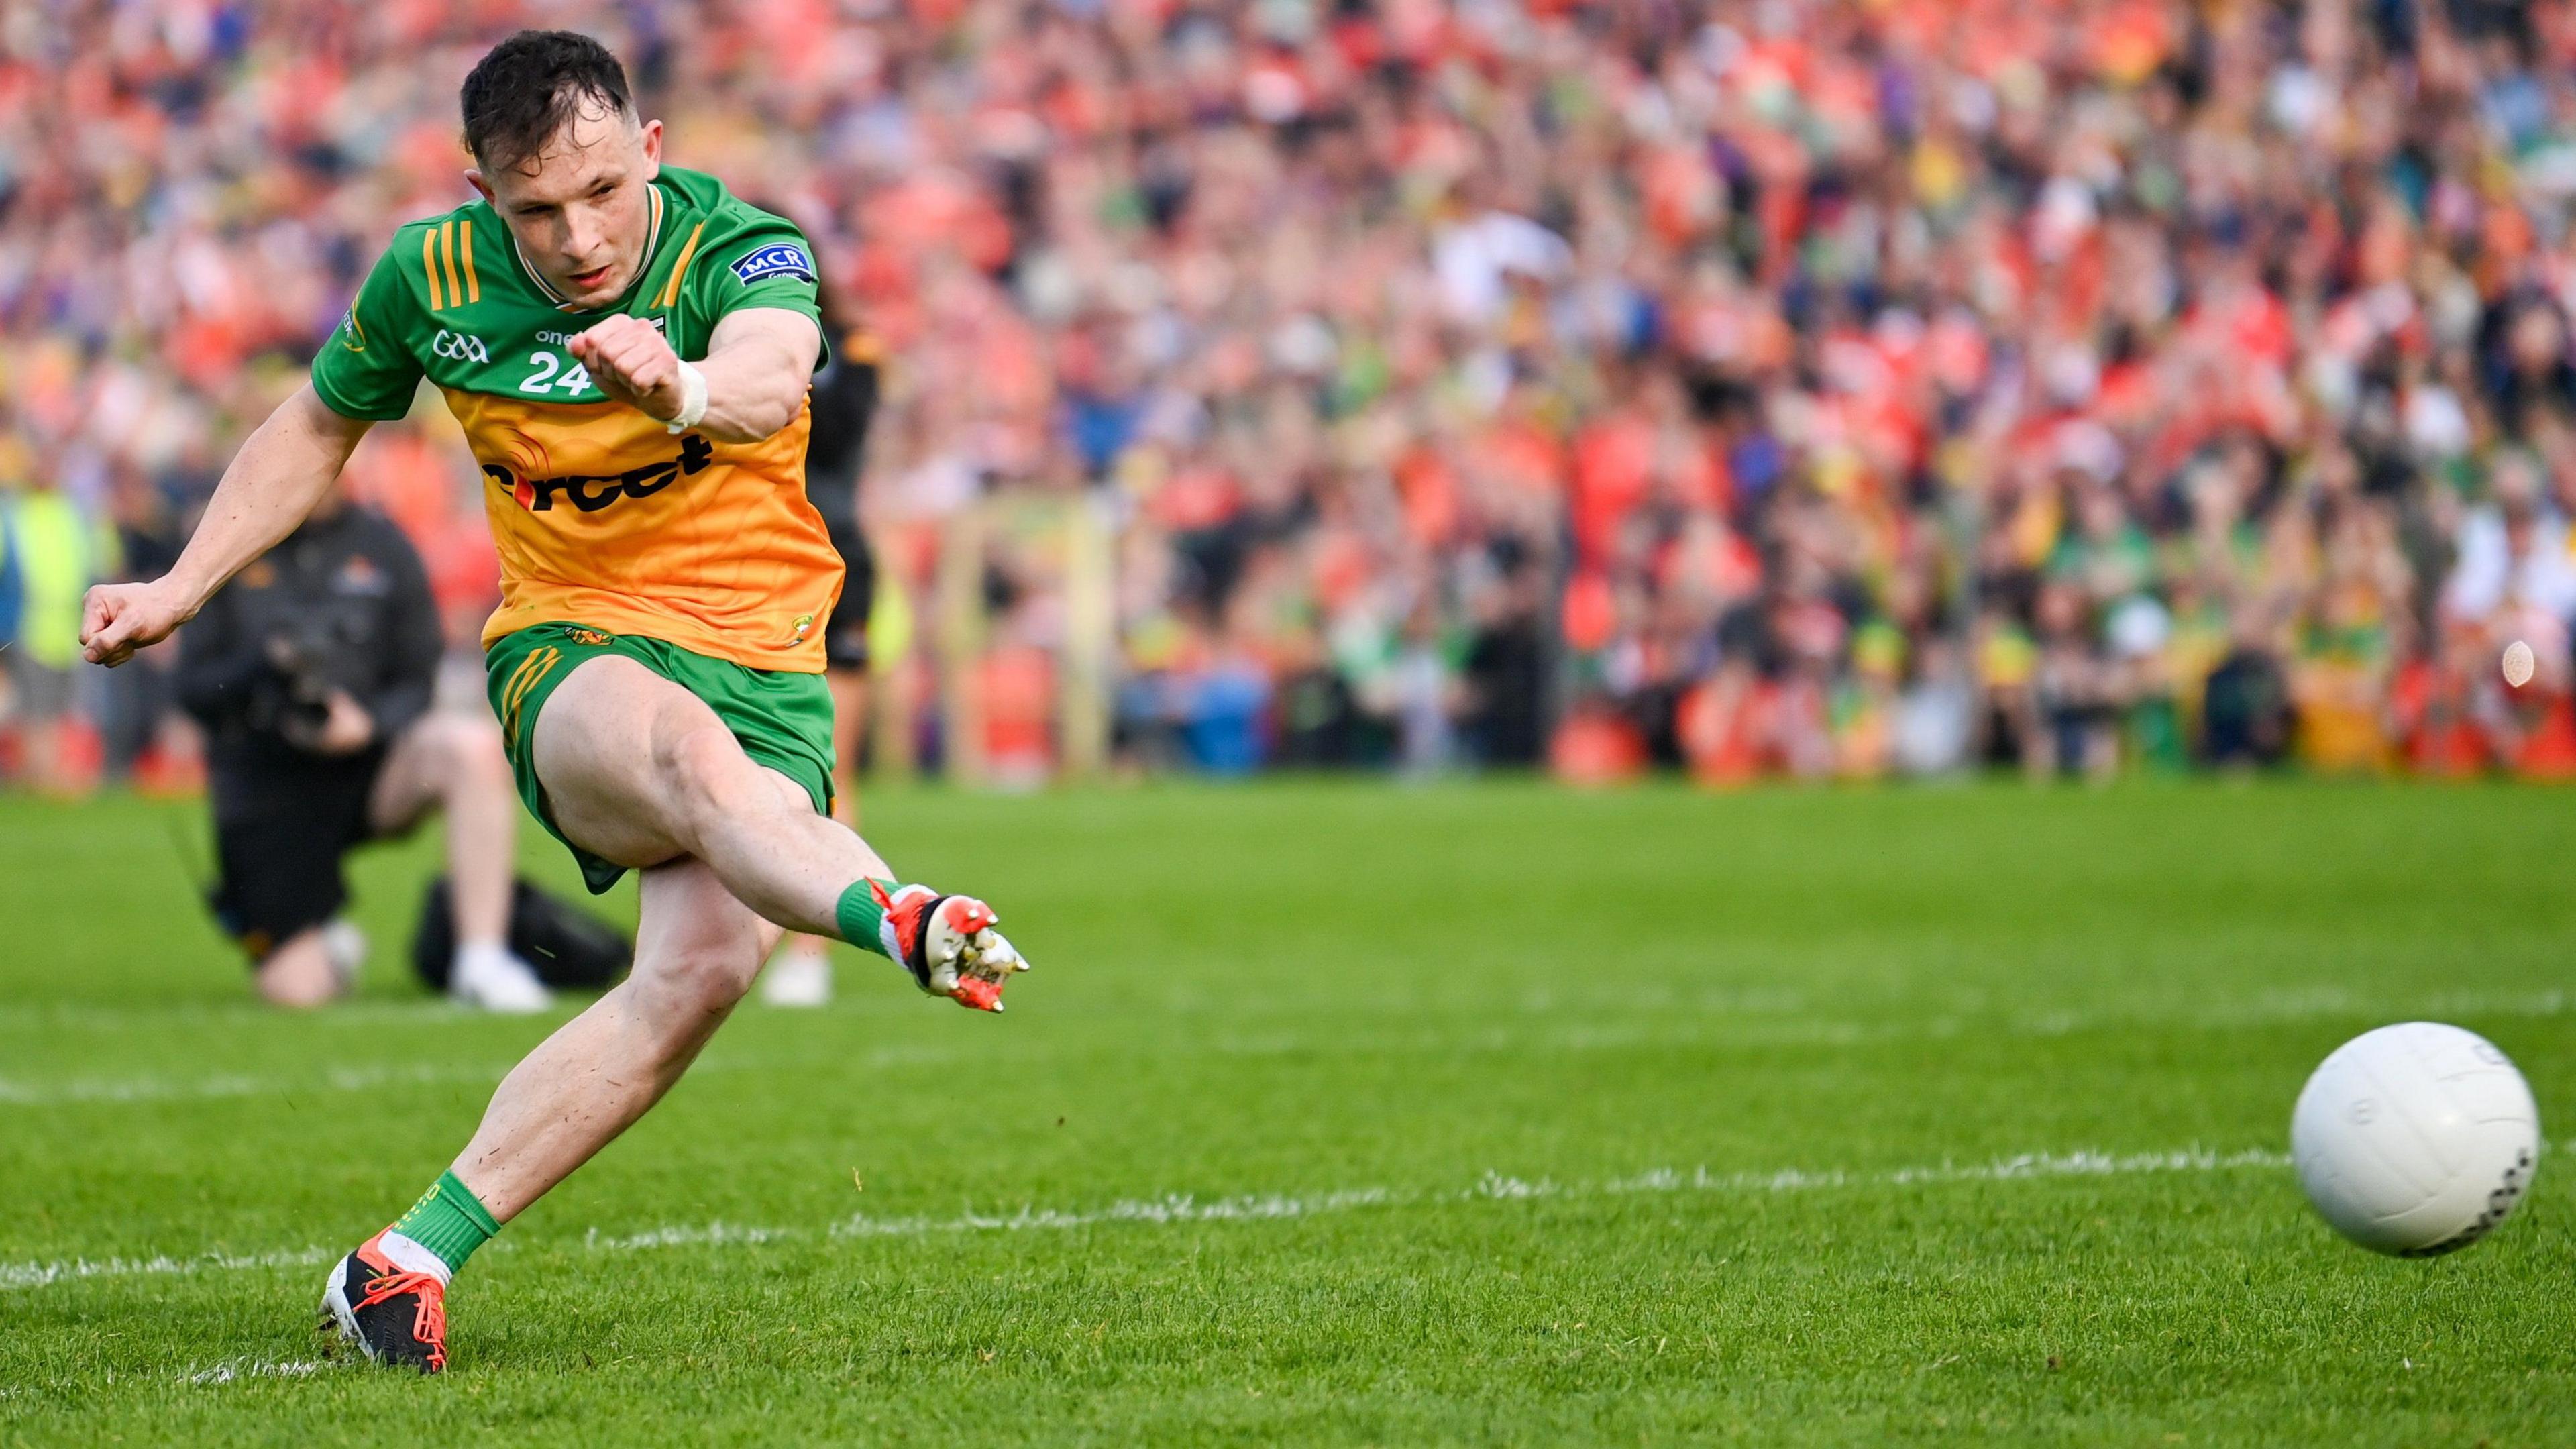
860	914
449	1221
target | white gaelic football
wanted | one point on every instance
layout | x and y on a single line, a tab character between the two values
2416	1139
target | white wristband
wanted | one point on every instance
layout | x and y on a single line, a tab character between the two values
693	400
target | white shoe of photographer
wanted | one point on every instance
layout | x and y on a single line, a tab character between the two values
799	975
489	978
345	947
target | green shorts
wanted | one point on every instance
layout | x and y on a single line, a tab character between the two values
782	720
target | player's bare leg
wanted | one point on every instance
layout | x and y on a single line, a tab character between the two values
697	950
801	974
641	772
638	771
453	763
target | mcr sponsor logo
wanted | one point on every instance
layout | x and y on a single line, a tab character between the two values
459	347
593	492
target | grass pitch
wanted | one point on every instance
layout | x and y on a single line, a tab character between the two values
1345	1113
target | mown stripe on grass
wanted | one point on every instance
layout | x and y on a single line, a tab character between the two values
1756	1029
1187	1208
2285	1006
112	1091
87	1090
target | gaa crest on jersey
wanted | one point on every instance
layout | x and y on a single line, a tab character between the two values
778	259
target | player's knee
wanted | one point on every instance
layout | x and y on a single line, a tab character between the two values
705	773
692	989
790	796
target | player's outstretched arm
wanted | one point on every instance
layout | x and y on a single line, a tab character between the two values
759	362
276	479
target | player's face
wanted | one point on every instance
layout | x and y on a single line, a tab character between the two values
581	208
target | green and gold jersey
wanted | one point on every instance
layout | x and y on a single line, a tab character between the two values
600	515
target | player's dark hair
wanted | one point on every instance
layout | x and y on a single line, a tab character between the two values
529	86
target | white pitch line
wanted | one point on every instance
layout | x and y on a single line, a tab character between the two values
39	1275
1159	1211
715	1234
1498	1187
1186	1208
262	1368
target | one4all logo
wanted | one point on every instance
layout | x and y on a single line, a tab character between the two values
593	492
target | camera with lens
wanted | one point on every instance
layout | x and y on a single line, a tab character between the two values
292	700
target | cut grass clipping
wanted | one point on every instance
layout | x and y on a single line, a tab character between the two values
1345	1114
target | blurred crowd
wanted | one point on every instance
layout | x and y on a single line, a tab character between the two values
1819	387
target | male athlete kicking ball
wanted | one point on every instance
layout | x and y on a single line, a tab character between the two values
657	659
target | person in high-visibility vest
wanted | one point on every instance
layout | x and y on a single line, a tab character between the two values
58	552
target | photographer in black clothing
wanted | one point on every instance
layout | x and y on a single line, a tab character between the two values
312	673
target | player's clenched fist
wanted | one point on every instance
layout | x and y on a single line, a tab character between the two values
630	360
118	619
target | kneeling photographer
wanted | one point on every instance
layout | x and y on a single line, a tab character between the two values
313	673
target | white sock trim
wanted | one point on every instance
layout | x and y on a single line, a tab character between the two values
411	1257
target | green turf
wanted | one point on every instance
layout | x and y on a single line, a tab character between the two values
1356	1114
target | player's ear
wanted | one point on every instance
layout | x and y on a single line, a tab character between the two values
474	178
652	149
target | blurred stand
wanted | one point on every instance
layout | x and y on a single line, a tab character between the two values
1804	390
